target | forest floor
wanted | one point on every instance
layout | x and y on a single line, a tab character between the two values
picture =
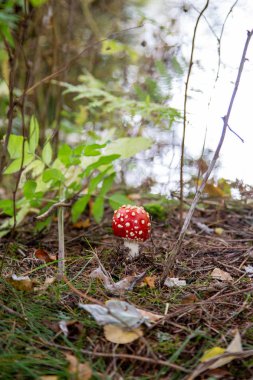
45	335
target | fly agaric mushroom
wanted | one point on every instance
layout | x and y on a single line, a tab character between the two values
132	223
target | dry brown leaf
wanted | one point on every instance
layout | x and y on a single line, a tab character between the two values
44	255
116	334
189	298
151	316
48	281
49	377
150	281
214	191
221	275
23	283
81	371
82	224
134	196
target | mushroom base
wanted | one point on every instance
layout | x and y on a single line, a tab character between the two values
133	248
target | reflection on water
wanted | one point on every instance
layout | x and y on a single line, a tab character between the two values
161	163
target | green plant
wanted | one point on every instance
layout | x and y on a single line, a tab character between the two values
77	174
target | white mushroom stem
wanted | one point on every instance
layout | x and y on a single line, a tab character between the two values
133	247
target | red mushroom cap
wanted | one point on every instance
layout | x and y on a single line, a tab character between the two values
131	222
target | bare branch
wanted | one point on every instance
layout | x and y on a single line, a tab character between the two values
174	253
185	111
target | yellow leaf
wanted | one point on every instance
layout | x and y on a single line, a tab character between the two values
210	354
214	191
81	371
219	231
23	283
116	334
150	281
82	224
234	346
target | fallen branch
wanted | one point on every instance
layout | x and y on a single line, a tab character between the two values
174	253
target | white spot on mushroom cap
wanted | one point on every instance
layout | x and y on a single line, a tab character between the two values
140	232
133	214
119	226
122	219
142	221
118	215
131	234
127	224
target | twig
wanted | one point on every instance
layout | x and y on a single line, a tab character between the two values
171	256
185	111
52	209
121	356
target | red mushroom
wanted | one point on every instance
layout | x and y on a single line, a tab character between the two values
132	223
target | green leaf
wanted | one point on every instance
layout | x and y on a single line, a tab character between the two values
98	209
53	174
7	206
15	166
118	199
79	206
128	146
37	167
107	185
105	160
34	134
88	150
66	156
47	153
37	3
93	183
29	189
15	146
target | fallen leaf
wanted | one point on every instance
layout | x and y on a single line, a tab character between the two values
171	282
72	329
219	231
23	283
117	334
234	346
189	298
44	255
212	353
249	270
127	283
213	359
82	224
152	317
48	281
81	371
221	275
150	281
49	377
116	312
